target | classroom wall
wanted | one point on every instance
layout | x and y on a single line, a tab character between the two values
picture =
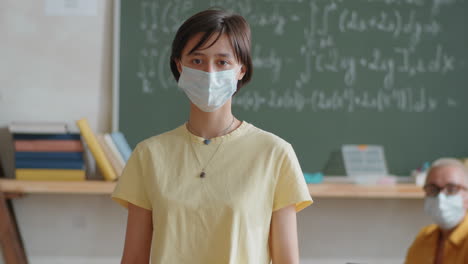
55	67
59	68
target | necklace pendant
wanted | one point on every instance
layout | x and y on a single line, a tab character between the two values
207	141
202	174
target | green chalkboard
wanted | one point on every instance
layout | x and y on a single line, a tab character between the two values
326	73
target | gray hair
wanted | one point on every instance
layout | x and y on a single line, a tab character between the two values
451	162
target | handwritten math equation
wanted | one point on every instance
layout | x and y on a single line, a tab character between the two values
377	55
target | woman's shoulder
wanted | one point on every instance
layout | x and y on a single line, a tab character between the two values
164	139
267	138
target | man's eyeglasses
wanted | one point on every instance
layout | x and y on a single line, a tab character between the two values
449	189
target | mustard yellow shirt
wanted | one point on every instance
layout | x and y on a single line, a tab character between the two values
223	217
423	250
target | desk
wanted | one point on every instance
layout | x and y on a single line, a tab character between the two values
10	237
13	188
11	240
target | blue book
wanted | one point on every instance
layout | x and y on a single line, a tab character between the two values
49	164
78	156
47	136
122	145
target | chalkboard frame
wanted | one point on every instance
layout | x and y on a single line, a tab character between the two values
115	66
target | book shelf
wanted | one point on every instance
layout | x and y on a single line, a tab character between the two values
326	190
57	187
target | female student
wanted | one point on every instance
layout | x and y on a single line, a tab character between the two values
216	189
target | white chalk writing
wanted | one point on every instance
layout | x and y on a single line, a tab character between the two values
324	55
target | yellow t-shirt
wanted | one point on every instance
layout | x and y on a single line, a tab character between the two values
423	250
223	217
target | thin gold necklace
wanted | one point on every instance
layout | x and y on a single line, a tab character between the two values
207	141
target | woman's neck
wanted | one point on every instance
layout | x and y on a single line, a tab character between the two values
212	124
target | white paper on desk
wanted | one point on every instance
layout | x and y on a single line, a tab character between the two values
365	164
70	7
364	160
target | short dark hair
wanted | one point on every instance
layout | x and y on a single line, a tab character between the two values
210	22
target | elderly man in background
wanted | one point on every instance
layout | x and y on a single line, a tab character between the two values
446	202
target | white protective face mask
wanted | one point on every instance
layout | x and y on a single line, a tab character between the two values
445	210
208	90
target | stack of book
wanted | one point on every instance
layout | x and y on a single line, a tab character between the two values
47	151
111	151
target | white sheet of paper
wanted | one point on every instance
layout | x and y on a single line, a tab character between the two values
70	7
364	163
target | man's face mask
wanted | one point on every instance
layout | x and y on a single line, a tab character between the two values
445	210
